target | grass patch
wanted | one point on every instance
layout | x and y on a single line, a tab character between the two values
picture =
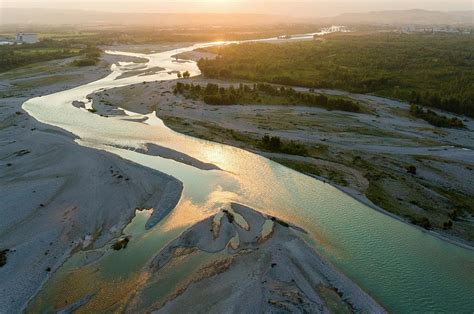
43	81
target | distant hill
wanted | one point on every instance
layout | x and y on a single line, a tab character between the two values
401	17
31	16
13	16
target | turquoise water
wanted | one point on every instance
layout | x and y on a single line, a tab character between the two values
404	268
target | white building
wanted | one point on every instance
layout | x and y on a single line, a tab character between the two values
26	38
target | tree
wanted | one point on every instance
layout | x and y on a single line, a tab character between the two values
272	143
448	225
411	169
275	143
186	74
179	75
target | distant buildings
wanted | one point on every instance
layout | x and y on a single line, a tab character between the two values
5	41
26	38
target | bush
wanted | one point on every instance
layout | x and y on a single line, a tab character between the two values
422	222
85	62
120	244
271	143
91	57
294	148
411	169
3	257
275	144
448	225
435	119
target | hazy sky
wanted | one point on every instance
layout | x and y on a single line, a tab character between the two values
302	7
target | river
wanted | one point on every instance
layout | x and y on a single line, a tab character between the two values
402	267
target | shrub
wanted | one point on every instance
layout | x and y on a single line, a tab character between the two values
120	244
435	119
448	225
85	62
275	144
3	257
411	169
422	222
271	143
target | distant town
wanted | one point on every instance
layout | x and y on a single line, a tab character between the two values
21	38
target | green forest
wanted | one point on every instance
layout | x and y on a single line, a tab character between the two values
14	56
435	70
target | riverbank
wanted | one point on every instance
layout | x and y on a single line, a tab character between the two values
366	154
59	197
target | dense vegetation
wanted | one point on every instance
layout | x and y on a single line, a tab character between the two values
434	70
276	145
91	57
212	94
14	56
435	119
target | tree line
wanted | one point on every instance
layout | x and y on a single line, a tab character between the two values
212	94
435	119
14	56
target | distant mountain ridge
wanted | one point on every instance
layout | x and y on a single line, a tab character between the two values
85	17
39	16
399	17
